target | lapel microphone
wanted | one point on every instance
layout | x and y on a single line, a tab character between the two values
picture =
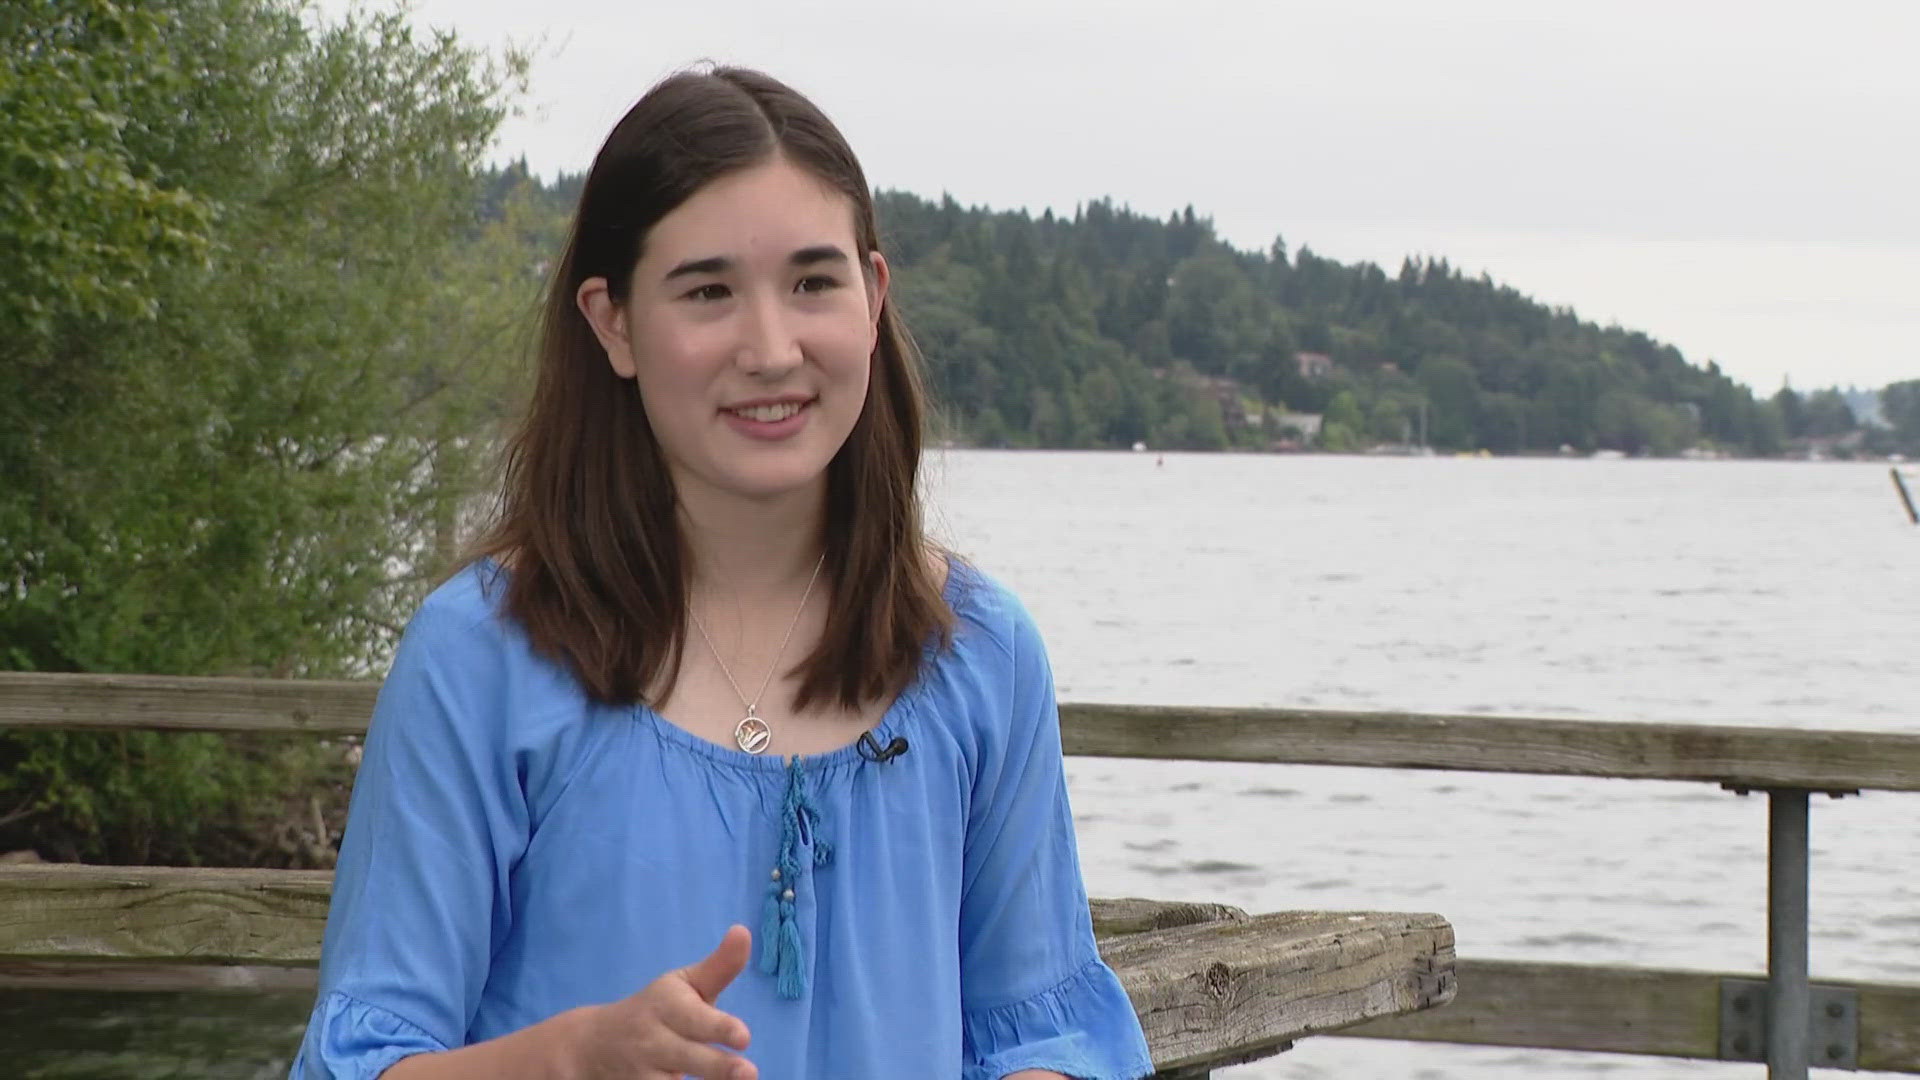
871	749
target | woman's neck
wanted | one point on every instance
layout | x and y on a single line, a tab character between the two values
753	549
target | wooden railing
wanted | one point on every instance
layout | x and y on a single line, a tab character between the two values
1212	985
1778	1017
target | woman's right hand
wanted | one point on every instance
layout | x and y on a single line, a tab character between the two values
671	1028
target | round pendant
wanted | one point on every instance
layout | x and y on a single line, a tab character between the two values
752	734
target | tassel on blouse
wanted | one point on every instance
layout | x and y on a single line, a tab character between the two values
780	948
793	978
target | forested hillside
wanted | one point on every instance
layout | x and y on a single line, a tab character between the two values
1110	328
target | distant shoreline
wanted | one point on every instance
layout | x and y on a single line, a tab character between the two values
1474	455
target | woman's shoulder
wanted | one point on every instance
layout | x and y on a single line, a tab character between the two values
466	681
987	611
468	607
994	685
464	623
463	638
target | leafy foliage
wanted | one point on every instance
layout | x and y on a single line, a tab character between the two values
1900	403
85	214
248	371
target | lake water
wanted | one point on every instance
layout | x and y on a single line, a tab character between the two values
1711	592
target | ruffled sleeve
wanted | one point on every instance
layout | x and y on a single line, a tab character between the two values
1084	1027
351	1040
1034	992
420	894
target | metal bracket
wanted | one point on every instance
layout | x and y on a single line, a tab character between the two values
1748	789
1833	1028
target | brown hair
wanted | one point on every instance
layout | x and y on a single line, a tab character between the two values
586	517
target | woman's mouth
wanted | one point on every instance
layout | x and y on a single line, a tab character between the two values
769	421
768	414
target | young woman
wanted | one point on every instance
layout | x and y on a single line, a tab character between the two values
706	674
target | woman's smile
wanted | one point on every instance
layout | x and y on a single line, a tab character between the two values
769	420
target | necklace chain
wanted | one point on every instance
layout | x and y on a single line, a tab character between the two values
752	733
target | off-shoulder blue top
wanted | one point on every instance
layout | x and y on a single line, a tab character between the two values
514	850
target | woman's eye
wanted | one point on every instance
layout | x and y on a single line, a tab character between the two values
816	283
709	292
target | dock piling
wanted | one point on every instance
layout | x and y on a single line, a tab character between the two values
1788	995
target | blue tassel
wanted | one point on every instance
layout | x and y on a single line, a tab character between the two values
793	979
780	947
812	822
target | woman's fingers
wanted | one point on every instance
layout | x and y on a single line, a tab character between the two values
683	1058
687	1016
672	1028
723	965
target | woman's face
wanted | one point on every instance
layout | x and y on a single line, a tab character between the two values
749	330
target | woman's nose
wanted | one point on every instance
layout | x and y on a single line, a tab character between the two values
768	345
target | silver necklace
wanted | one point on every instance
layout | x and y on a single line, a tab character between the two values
752	733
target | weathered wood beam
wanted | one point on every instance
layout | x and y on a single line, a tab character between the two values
55	911
1628	1011
1110	918
1757	757
1754	757
232	916
1132	915
1212	985
1219	992
184	703
120	976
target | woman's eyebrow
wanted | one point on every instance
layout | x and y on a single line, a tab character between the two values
715	264
818	253
720	264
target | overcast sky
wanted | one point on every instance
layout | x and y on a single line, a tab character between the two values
1739	179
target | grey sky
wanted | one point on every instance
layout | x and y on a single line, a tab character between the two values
1740	179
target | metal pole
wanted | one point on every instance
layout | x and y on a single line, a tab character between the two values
1789	1004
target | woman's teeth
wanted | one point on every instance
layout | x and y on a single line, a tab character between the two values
767	414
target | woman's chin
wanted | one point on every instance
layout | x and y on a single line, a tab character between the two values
771	483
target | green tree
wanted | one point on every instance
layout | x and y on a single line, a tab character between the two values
87	219
989	429
1344	410
1336	437
1103	400
1213	313
1454	401
1793	411
1827	414
1388	422
221	443
1900	405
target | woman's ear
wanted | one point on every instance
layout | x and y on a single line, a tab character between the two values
877	281
609	322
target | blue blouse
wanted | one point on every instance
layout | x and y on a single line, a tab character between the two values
514	850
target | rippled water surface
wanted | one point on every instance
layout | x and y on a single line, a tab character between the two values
1746	593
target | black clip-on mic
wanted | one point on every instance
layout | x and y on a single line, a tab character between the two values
870	748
